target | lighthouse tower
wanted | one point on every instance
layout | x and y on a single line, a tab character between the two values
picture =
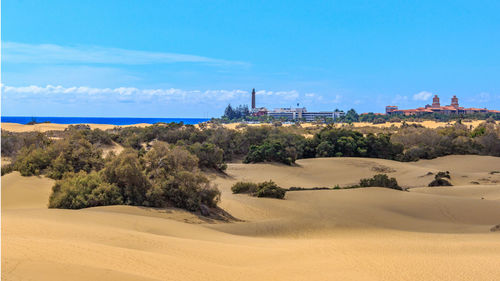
435	102
253	98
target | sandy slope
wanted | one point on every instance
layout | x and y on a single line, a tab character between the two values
44	127
357	234
427	124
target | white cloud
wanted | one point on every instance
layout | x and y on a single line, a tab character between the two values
338	99
287	95
61	94
422	96
400	99
483	97
55	54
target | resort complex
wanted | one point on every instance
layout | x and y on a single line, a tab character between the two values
298	113
435	107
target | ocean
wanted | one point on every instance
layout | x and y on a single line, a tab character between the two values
100	120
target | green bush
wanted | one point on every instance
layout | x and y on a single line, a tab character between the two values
32	161
82	190
263	189
441	179
244	187
269	189
271	151
126	172
380	180
185	190
7	169
176	181
209	156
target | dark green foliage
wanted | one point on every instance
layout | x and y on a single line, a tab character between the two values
296	188
186	190
351	116
168	177
347	143
83	190
7	169
440	175
380	180
73	154
13	142
176	181
244	187
440	182
441	179
32	161
126	172
209	156
269	189
263	189
238	113
271	151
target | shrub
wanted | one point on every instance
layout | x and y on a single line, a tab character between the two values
380	180
440	182
440	179
32	161
269	189
442	175
176	180
185	190
272	151
73	154
379	121
244	187
5	169
83	190
209	156
126	172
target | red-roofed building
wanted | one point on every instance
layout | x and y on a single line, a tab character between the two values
453	108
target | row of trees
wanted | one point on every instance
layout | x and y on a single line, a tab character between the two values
215	145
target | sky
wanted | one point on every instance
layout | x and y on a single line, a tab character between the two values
192	58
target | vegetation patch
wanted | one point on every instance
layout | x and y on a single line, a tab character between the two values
441	179
295	188
380	180
264	189
244	187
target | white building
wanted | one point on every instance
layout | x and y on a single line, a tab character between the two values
302	114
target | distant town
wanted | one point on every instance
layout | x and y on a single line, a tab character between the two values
435	107
392	112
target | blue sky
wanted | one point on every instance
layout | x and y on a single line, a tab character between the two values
192	58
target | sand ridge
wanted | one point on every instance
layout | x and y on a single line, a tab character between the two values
44	127
355	234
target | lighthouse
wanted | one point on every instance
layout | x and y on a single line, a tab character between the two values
253	98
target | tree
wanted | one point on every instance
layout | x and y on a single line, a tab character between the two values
125	171
351	116
229	112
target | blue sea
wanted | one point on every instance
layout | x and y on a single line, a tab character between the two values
100	120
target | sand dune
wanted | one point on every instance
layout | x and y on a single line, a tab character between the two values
356	234
44	127
427	124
